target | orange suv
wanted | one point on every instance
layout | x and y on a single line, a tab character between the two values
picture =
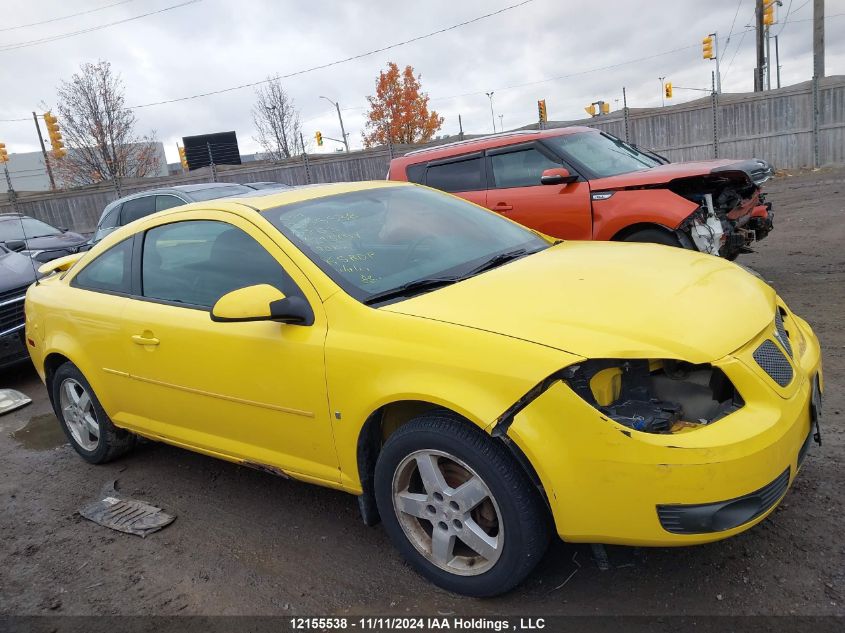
583	184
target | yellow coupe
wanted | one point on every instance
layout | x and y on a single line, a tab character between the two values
477	385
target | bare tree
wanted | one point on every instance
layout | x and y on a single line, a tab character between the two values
99	130
276	120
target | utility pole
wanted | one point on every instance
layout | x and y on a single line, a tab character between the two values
777	60
13	197
717	55
460	128
625	113
768	58
44	153
211	163
492	116
305	158
339	118
818	38
501	123
761	52
662	99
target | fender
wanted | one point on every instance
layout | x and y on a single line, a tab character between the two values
639	206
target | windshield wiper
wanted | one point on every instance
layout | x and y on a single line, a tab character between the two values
496	260
411	288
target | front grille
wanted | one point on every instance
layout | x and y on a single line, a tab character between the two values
784	337
774	363
13	293
11	314
722	515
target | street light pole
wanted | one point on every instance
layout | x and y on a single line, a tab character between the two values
339	118
492	116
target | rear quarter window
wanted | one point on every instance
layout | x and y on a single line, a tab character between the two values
109	271
464	175
416	173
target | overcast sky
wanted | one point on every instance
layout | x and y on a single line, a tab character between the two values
213	44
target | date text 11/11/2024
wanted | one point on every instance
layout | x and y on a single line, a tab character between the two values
440	623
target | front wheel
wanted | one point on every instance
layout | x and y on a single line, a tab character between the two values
458	507
654	236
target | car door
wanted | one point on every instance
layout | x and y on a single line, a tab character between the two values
93	306
562	211
252	391
464	176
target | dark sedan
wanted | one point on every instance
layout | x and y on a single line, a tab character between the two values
17	272
39	240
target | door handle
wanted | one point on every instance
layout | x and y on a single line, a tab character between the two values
503	206
138	339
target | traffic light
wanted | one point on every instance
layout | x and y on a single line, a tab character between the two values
605	107
183	159
319	137
4	155
55	135
541	109
668	89
769	12
707	47
591	109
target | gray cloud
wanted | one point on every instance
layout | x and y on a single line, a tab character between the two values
220	43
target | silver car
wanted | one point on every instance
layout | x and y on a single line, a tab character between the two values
139	205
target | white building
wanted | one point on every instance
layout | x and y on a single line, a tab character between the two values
29	174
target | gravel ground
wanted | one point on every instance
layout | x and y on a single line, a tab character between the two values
246	542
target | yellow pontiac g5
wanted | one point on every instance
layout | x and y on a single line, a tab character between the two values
477	386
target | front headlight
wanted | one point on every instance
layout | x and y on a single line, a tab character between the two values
654	395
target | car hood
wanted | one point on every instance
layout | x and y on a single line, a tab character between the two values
65	240
610	300
16	270
754	169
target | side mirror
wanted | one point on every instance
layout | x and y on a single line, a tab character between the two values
15	245
557	176
261	303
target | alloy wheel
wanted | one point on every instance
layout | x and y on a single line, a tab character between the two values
79	415
448	512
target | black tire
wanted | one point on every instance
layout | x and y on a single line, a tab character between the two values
654	236
525	520
111	441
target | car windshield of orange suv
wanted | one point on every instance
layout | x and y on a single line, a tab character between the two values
584	184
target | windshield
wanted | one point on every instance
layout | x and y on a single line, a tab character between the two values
16	228
600	154
218	192
374	241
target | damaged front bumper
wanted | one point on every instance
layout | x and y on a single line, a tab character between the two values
609	483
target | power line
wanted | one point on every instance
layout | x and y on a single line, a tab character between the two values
733	22
44	40
64	17
337	62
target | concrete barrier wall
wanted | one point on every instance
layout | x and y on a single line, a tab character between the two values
776	125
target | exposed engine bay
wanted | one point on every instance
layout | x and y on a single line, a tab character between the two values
732	213
655	396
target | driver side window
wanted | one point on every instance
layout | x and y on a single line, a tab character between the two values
196	262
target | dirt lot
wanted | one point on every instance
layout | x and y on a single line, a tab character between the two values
246	542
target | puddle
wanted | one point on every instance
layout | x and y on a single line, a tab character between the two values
41	433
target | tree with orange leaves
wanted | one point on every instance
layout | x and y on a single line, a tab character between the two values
399	111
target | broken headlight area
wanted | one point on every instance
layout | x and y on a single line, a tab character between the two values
655	396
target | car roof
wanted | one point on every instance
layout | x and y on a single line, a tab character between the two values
261	200
185	189
485	142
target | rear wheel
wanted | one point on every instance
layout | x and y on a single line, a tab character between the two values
83	419
458	507
654	236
